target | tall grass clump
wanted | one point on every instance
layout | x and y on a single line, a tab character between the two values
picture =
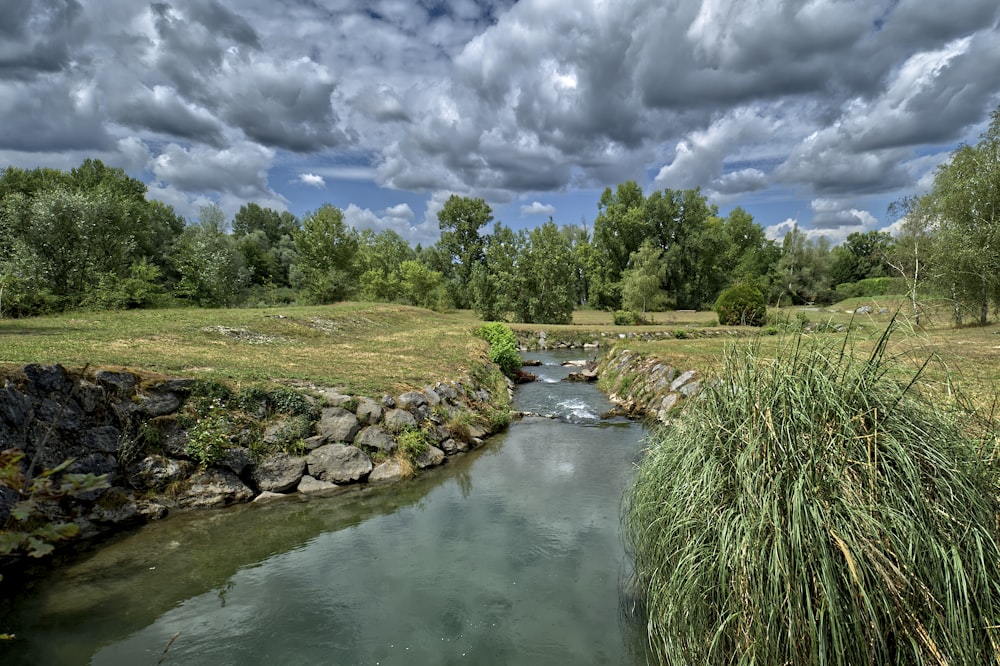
814	510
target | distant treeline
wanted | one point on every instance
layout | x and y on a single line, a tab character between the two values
89	238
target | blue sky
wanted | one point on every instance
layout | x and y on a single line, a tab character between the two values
810	112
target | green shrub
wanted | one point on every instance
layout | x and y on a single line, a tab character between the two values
627	318
741	305
412	443
870	287
503	346
812	510
208	440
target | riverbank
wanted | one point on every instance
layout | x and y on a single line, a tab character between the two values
172	444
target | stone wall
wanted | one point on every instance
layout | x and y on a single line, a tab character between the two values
138	432
645	386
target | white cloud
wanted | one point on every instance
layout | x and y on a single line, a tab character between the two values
312	180
537	208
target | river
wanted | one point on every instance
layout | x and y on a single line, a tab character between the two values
508	555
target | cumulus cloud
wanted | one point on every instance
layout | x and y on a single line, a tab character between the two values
398	218
312	180
537	208
806	101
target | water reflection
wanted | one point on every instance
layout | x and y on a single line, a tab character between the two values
507	556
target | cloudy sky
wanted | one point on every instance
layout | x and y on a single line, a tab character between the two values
815	111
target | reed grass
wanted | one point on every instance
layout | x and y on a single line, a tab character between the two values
814	509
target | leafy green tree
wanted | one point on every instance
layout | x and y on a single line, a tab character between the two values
965	200
266	241
619	229
460	220
803	270
326	268
547	272
496	284
642	281
579	242
209	262
861	256
421	286
380	256
62	240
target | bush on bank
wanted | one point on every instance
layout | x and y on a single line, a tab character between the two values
812	510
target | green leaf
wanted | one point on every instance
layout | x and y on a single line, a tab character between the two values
10	541
23	509
38	548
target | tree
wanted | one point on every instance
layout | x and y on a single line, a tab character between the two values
421	286
861	256
546	270
803	270
326	267
642	281
265	238
209	262
460	220
380	256
965	200
496	286
910	252
619	229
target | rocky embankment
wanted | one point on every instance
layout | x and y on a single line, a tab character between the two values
645	386
167	444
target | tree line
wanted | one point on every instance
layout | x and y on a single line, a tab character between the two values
89	238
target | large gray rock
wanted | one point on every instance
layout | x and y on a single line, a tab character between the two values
389	471
116	382
338	425
375	437
683	379
214	488
431	457
160	404
310	486
369	412
339	463
236	460
103	439
279	472
411	400
452	446
397	420
15	407
156	472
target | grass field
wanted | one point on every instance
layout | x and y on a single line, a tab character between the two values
378	348
367	348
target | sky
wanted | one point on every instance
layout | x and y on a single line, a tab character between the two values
811	112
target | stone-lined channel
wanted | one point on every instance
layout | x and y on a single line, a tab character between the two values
509	555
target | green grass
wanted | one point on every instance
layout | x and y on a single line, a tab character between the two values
811	508
367	348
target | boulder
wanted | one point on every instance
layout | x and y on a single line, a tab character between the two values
214	488
389	471
338	425
236	460
411	401
116	382
103	439
267	496
279	472
310	486
452	446
15	407
369	412
683	379
397	420
375	437
433	399
159	404
430	458
156	472
338	463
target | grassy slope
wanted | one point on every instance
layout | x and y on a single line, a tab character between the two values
376	348
367	348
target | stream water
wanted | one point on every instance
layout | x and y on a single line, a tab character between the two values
509	555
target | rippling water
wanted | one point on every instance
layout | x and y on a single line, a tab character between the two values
510	555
